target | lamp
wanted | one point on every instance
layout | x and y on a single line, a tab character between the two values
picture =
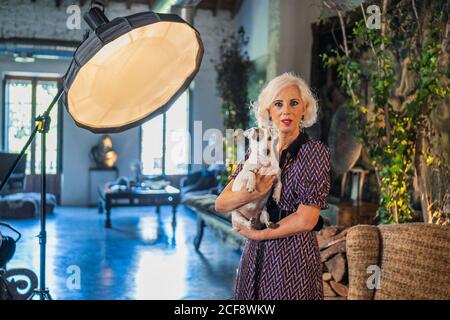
124	73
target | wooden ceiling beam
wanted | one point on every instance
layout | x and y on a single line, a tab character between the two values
217	7
236	7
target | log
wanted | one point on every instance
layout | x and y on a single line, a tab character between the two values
339	288
329	232
326	276
320	238
327	242
327	291
336	266
332	251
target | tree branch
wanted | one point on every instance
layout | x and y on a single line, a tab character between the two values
382	49
347	53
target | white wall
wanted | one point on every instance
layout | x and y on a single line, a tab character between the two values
295	35
205	103
254	17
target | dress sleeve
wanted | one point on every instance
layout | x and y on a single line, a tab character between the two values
239	166
318	177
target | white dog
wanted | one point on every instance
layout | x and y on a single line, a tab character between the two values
262	155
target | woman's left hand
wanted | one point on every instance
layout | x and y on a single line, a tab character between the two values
251	234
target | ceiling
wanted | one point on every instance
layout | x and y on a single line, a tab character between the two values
214	5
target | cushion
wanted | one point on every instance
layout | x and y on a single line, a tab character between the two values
363	251
193	177
414	262
203	183
413	259
24	205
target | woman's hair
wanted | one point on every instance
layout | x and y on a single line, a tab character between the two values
273	88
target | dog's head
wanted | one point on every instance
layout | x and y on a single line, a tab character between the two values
261	140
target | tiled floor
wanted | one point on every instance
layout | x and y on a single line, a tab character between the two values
141	257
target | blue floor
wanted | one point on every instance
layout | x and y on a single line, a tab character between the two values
141	257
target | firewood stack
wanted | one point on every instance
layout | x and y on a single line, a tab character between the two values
334	262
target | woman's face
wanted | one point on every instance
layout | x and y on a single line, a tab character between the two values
287	109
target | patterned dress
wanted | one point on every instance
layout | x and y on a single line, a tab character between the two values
289	268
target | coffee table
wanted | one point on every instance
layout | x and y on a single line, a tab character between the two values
138	197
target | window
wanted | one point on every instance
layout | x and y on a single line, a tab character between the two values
165	142
26	98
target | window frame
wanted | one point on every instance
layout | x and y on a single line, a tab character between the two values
188	128
34	80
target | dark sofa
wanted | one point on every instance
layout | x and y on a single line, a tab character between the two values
219	223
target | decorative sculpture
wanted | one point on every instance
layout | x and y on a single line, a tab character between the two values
103	153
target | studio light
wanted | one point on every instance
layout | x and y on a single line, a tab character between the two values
130	69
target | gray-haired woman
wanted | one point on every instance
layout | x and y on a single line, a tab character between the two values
284	263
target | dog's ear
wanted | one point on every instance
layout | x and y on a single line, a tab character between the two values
250	133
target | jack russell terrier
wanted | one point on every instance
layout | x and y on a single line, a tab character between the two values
263	155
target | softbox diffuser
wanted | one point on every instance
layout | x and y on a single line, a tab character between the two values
130	70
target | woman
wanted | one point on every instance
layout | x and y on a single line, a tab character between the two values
284	263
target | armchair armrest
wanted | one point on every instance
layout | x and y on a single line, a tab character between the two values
183	182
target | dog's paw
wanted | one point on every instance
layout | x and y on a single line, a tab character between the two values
250	189
272	225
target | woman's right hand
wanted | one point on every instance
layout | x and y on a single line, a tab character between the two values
229	200
263	184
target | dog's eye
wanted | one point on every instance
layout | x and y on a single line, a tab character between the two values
268	151
257	138
269	138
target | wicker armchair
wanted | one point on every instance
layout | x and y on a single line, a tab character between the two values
413	260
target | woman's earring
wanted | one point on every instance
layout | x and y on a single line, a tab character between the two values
302	122
270	122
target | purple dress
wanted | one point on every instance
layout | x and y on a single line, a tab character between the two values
289	268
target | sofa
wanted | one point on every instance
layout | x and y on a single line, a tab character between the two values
404	261
219	223
201	182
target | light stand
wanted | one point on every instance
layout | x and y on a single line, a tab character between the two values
42	126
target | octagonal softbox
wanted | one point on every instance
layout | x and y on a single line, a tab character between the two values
130	70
